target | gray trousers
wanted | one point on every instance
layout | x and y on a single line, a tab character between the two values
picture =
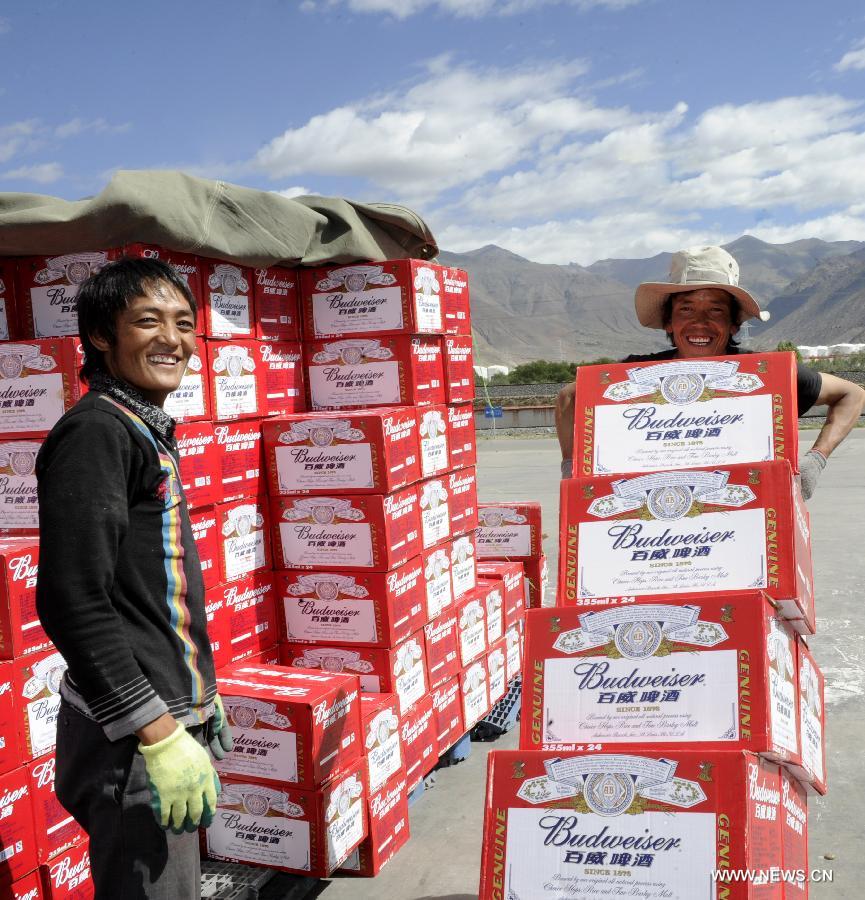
103	784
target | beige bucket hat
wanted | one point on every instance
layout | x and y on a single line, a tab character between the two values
690	270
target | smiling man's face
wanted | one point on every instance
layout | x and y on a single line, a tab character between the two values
701	323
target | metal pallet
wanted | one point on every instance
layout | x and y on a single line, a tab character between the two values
234	881
503	716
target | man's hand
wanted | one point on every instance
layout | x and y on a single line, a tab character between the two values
810	467
183	783
221	741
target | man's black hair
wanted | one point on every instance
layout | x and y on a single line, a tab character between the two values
667	318
109	292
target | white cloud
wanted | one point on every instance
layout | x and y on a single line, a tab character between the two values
17	137
295	191
853	59
5	25
848	225
77	126
474	9
41	173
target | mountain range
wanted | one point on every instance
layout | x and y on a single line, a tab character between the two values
523	310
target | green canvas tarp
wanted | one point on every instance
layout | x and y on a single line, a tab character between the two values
212	218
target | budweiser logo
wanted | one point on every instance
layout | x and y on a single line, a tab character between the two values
10	798
5	688
22	567
225	436
393	505
792	804
44	773
269	354
399	426
64	871
234	595
322	713
397	584
459	418
758	791
196	440
30	895
203	525
262	279
379	804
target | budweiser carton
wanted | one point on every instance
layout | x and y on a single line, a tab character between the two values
474	686
442	642
369	452
21	631
355	373
27	888
433	433
199	464
252	615
463	565
388	829
794	836
812	722
8	308
489	595
662	821
514	651
38	383
688	531
510	530
235	380
435	512
459	368
461	436
381	738
207	541
17	833
712	672
462	488
373	609
437	576
472	628
511	581
10	749
396	670
67	876
57	830
447	705
372	531
191	401
290	727
229	308
244	538
395	297
19	500
280	365
47	290
37	700
419	741
218	614
685	414
456	301
307	832
537	583
239	459
269	657
277	314
497	672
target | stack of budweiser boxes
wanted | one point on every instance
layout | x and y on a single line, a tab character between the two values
672	719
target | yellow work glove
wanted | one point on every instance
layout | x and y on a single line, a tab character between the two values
183	783
221	741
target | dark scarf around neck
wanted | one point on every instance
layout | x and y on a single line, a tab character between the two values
156	417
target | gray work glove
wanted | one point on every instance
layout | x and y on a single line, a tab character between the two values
567	468
810	467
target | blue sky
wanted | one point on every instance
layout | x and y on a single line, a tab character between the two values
563	130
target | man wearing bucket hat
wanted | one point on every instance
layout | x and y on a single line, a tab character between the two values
701	308
120	593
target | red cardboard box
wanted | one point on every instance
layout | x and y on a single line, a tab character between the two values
229	308
236	380
433	435
474	686
725	530
10	749
67	876
461	436
56	829
304	727
218	612
199	464
372	609
37	701
382	744
447	704
398	670
388	829
369	452
8	306
191	401
439	594
38	384
244	538
459	368
510	530
472	627
489	594
711	672
19	500
252	615
315	830
537	582
812	722
497	671
463	565
353	532
17	834
683	814
356	373
277	311
685	414
47	288
442	641
514	649
21	631
394	297
456	301
281	378
419	741
794	835
27	888
239	459
269	657
435	512
511	580
207	542
462	487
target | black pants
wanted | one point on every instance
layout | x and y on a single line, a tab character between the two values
103	784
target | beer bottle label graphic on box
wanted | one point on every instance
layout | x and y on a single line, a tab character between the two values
191	401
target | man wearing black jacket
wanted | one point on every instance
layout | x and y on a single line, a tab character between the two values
121	595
